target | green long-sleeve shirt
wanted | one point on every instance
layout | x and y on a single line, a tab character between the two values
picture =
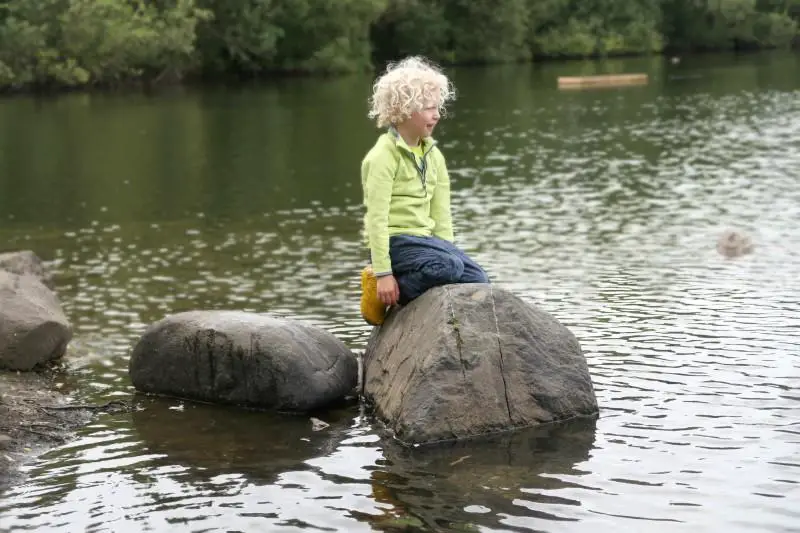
403	195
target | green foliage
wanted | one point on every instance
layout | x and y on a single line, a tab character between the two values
113	40
78	42
488	32
102	42
242	36
413	27
729	24
603	27
774	30
575	38
454	31
254	36
326	35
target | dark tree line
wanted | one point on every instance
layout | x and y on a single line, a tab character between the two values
105	42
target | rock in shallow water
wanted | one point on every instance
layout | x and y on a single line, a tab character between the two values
467	360
33	327
243	358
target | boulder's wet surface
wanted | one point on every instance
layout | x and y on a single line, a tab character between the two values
602	207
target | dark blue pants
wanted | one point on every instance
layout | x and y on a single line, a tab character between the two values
421	263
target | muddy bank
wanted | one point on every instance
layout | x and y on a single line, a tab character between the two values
35	417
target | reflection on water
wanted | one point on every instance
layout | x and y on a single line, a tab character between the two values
209	441
503	477
603	207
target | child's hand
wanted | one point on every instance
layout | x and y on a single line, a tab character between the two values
388	291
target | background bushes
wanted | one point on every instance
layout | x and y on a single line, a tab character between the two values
107	42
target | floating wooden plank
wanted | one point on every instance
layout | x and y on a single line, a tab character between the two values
610	80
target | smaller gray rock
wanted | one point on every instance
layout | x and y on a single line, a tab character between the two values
26	262
241	358
33	327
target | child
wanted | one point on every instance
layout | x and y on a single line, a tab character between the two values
406	188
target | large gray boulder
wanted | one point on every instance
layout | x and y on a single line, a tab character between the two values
26	262
243	358
33	327
467	360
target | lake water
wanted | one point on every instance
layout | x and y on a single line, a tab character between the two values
602	207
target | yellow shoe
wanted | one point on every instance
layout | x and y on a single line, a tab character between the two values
372	309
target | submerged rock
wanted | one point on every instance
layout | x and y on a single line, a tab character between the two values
243	358
467	360
734	244
33	327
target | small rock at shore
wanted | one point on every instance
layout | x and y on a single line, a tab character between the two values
243	358
33	327
467	360
317	424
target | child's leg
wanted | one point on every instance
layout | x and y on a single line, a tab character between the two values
473	273
421	263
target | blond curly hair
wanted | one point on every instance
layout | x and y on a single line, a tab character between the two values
407	86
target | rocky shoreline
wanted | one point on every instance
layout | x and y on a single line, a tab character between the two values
34	417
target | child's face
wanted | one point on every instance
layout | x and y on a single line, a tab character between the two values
423	122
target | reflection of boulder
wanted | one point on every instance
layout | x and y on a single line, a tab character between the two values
466	360
243	358
734	244
503	459
434	483
217	439
33	327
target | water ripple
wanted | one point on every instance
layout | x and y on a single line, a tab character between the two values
602	209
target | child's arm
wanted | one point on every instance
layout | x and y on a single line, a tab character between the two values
440	204
377	175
